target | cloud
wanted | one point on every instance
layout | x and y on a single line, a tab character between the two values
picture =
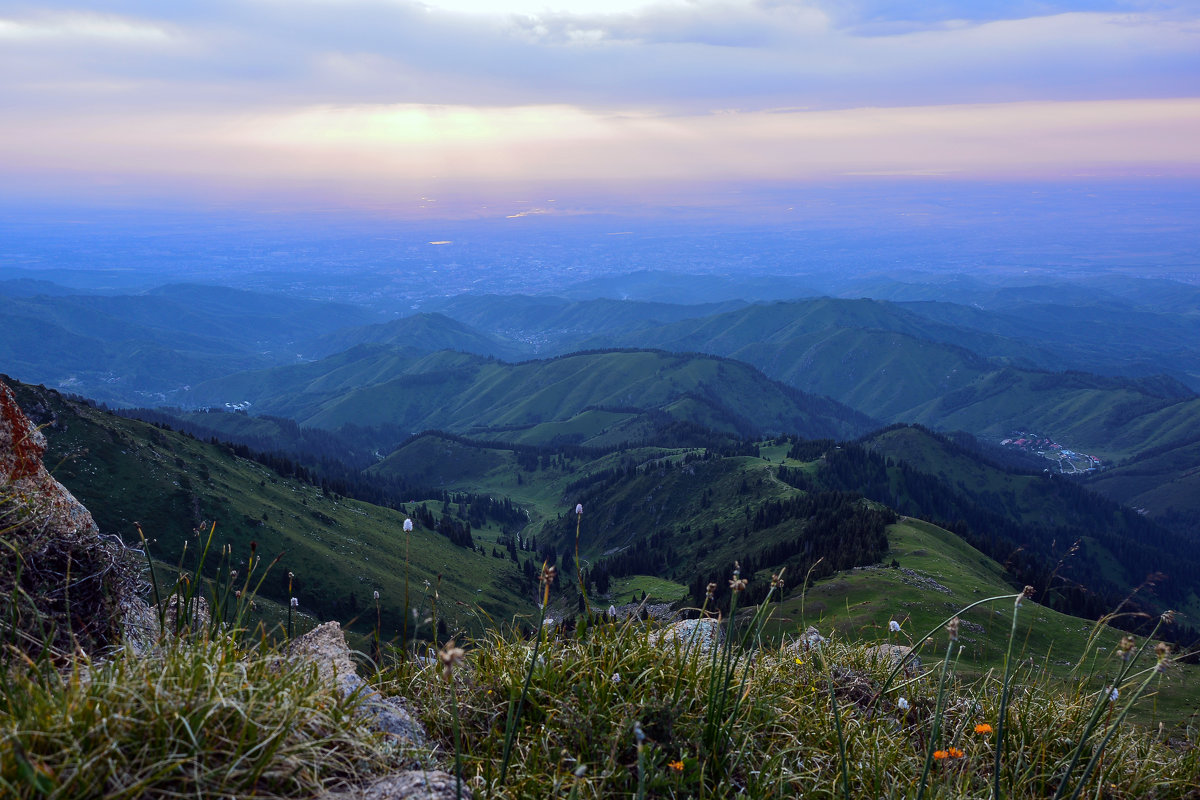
360	92
370	149
685	56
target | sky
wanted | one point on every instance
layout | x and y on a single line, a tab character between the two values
362	102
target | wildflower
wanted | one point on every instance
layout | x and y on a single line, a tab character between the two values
638	734
1168	617
902	703
983	727
799	661
612	612
894	626
1026	592
579	508
616	677
952	629
408	526
940	754
954	752
376	595
777	580
737	583
548	573
677	766
710	590
1113	695
1125	648
295	601
1163	651
450	656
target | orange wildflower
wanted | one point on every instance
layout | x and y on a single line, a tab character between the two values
676	765
955	752
983	728
940	754
952	752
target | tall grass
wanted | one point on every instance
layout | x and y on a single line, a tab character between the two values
613	709
200	718
623	712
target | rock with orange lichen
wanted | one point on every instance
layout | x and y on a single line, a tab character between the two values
64	584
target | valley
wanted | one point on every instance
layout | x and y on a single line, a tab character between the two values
814	435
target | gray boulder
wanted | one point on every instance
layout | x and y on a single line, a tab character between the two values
410	785
703	634
325	648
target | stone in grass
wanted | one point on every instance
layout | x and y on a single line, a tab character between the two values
325	647
810	640
411	785
702	633
893	654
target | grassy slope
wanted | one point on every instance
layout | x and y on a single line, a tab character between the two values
340	550
1165	484
858	604
667	499
1035	500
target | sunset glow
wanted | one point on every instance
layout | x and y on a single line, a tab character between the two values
363	94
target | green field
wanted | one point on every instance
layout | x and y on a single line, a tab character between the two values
938	575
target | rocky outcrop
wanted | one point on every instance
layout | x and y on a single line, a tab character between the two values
325	648
72	585
701	634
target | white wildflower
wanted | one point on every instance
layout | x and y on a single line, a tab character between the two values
295	602
894	626
616	677
579	508
408	526
903	704
1113	695
376	595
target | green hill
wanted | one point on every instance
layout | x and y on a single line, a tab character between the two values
143	349
898	366
924	474
340	549
530	401
936	573
557	325
1109	337
1084	554
420	333
1162	482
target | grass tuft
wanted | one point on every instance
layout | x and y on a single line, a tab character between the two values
199	717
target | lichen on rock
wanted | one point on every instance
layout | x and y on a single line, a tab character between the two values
63	585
